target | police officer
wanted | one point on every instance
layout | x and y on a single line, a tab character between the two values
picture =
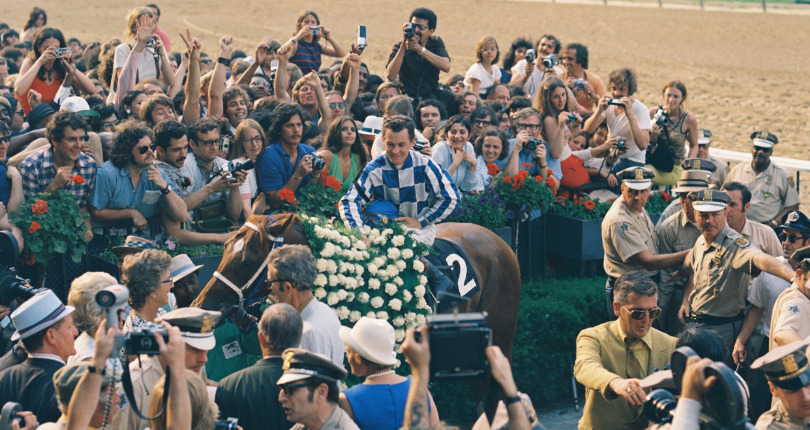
773	193
788	374
701	172
309	391
790	320
628	235
719	175
720	262
678	233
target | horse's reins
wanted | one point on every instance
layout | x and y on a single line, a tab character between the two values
277	241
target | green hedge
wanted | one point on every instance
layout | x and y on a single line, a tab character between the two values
552	313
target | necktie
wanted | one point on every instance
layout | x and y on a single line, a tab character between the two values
633	365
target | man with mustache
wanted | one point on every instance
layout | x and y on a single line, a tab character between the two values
773	192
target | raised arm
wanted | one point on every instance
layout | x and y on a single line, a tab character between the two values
766	263
217	85
191	107
282	82
261	56
323	104
336	50
145	31
353	86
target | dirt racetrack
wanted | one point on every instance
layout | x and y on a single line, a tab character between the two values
743	71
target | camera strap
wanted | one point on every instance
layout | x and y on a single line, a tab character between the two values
126	381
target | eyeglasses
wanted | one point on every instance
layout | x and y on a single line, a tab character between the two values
167	281
257	139
260	84
524	126
143	149
639	315
339	104
792	238
5	139
210	142
421	27
289	389
765	150
482	122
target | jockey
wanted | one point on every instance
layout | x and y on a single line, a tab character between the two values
422	191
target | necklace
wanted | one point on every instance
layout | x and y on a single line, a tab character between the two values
374	375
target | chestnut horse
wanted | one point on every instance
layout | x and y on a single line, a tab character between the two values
493	261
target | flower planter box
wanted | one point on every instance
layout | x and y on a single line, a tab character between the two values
572	238
505	233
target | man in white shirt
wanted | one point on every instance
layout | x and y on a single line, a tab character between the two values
529	75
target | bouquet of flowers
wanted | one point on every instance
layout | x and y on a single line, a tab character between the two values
522	190
658	202
314	198
52	224
382	280
579	206
485	209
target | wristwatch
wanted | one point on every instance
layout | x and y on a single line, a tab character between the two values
422	51
514	399
99	370
224	61
164	191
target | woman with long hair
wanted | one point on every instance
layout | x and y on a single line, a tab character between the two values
37	20
46	68
307	45
250	141
516	53
670	131
344	155
558	112
456	155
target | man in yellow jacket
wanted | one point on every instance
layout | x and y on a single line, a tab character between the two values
613	358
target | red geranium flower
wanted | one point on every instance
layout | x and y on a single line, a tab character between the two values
506	179
287	195
34	227
667	196
332	183
39	207
590	204
492	169
77	179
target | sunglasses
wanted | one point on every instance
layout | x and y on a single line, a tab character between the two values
639	315
339	104
5	139
143	149
765	150
482	122
792	238
289	389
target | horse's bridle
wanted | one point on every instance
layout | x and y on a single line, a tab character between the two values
277	241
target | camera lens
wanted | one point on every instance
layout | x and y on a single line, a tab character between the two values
105	299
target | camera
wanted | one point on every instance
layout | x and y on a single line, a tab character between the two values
228	424
224	144
723	406
150	43
111	299
615	102
408	31
532	143
579	84
8	415
457	344
419	146
317	161
572	118
621	144
315	30
61	52
13	287
361	37
185	182
530	56
142	339
550	61
238	167
661	117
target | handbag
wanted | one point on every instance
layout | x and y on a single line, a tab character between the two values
210	218
662	157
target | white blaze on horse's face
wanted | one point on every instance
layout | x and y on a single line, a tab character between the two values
239	245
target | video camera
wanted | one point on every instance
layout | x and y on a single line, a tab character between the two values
13	287
531	55
723	405
140	340
457	345
8	415
408	31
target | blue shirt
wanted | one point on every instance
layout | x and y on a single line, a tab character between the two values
274	167
464	179
379	406
526	156
5	185
114	190
420	188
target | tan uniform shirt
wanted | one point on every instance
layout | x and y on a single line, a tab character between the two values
625	234
763	237
778	419
791	311
676	234
771	191
719	175
721	271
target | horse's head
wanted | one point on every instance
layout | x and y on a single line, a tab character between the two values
244	255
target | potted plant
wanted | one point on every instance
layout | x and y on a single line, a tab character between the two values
575	225
485	209
319	199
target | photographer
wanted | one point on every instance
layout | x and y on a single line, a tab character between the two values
672	127
420	56
530	149
530	74
417	352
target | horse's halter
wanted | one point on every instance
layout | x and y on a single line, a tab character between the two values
277	241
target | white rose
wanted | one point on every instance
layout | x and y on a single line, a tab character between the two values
333	280
343	312
410	317
407	296
393	253
328	250
390	289
360	245
401	265
377	302
399	321
321	264
420	319
418	266
374	284
387	232
354	316
320	280
400	335
350	297
331	266
407	253
419	291
371	314
373	234
332	299
398	240
395	304
342	294
422	280
382	315
362	298
379	261
399	281
372	268
320	233
422	303
359	270
320	293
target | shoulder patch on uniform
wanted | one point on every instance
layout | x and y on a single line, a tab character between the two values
728	168
794	309
742	242
623	226
791	182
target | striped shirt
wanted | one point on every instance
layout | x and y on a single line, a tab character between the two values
420	188
37	171
308	56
